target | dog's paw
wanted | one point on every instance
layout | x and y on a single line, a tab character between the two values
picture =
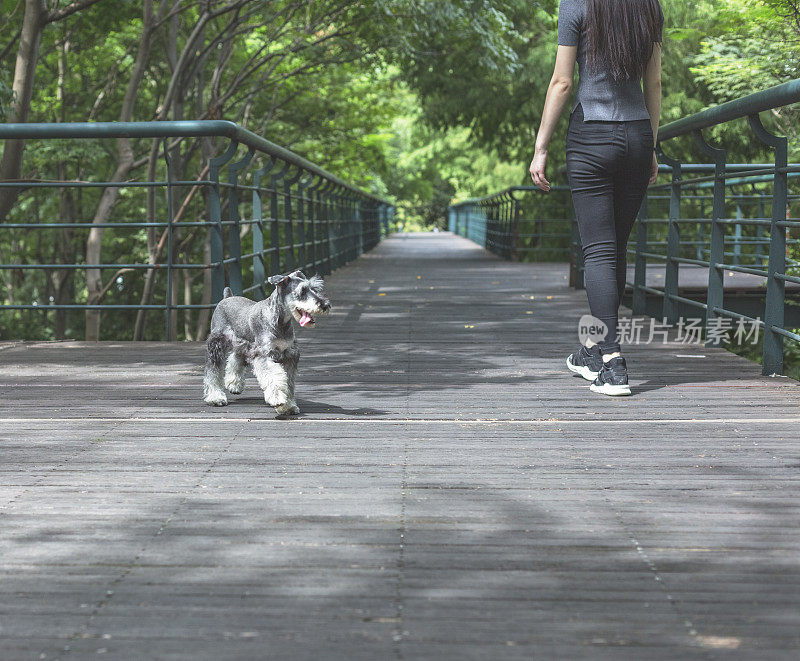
216	400
234	385
290	408
276	398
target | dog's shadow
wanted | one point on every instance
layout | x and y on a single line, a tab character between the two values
310	408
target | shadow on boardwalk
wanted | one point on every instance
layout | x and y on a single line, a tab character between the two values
450	492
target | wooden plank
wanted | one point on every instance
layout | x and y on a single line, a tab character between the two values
449	491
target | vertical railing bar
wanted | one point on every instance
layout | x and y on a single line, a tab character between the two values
215	221
259	268
291	264
170	219
715	294
320	236
737	236
312	185
326	194
234	240
772	357
274	231
701	230
759	229
671	266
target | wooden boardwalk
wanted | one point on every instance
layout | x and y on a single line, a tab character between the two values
450	491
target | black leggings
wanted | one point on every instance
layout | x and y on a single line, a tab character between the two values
609	166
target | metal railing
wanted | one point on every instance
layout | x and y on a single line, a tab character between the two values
752	201
272	211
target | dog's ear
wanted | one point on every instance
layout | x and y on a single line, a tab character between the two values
297	274
278	280
316	283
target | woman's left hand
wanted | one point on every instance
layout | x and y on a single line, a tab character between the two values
537	170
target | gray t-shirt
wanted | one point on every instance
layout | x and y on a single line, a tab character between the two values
601	97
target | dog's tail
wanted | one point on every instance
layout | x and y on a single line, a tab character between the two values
227	292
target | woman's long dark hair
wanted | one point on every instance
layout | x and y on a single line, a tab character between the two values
620	35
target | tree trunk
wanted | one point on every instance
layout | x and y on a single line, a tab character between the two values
94	282
33	22
173	100
153	252
64	280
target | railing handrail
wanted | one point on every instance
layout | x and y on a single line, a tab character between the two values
773	97
505	232
313	219
662	167
202	128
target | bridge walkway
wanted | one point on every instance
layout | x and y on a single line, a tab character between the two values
449	491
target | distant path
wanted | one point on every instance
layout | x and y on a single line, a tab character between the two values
450	492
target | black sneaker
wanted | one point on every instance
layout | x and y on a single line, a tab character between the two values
586	362
613	378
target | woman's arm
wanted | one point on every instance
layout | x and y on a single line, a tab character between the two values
558	93
652	89
652	98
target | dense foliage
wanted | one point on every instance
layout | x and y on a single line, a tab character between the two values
422	101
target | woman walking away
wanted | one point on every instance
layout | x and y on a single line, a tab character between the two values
610	151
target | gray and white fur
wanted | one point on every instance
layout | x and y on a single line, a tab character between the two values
260	335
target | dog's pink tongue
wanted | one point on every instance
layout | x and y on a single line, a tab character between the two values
305	319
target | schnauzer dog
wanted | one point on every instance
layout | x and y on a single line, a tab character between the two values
260	335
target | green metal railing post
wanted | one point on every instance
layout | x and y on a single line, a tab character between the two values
346	218
350	214
305	214
259	266
335	222
701	231
274	224
776	287
215	220
507	223
318	245
329	211
234	241
379	233
352	219
515	231
760	230
292	260
737	236
170	220
504	226
385	218
669	310
716	258
358	227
